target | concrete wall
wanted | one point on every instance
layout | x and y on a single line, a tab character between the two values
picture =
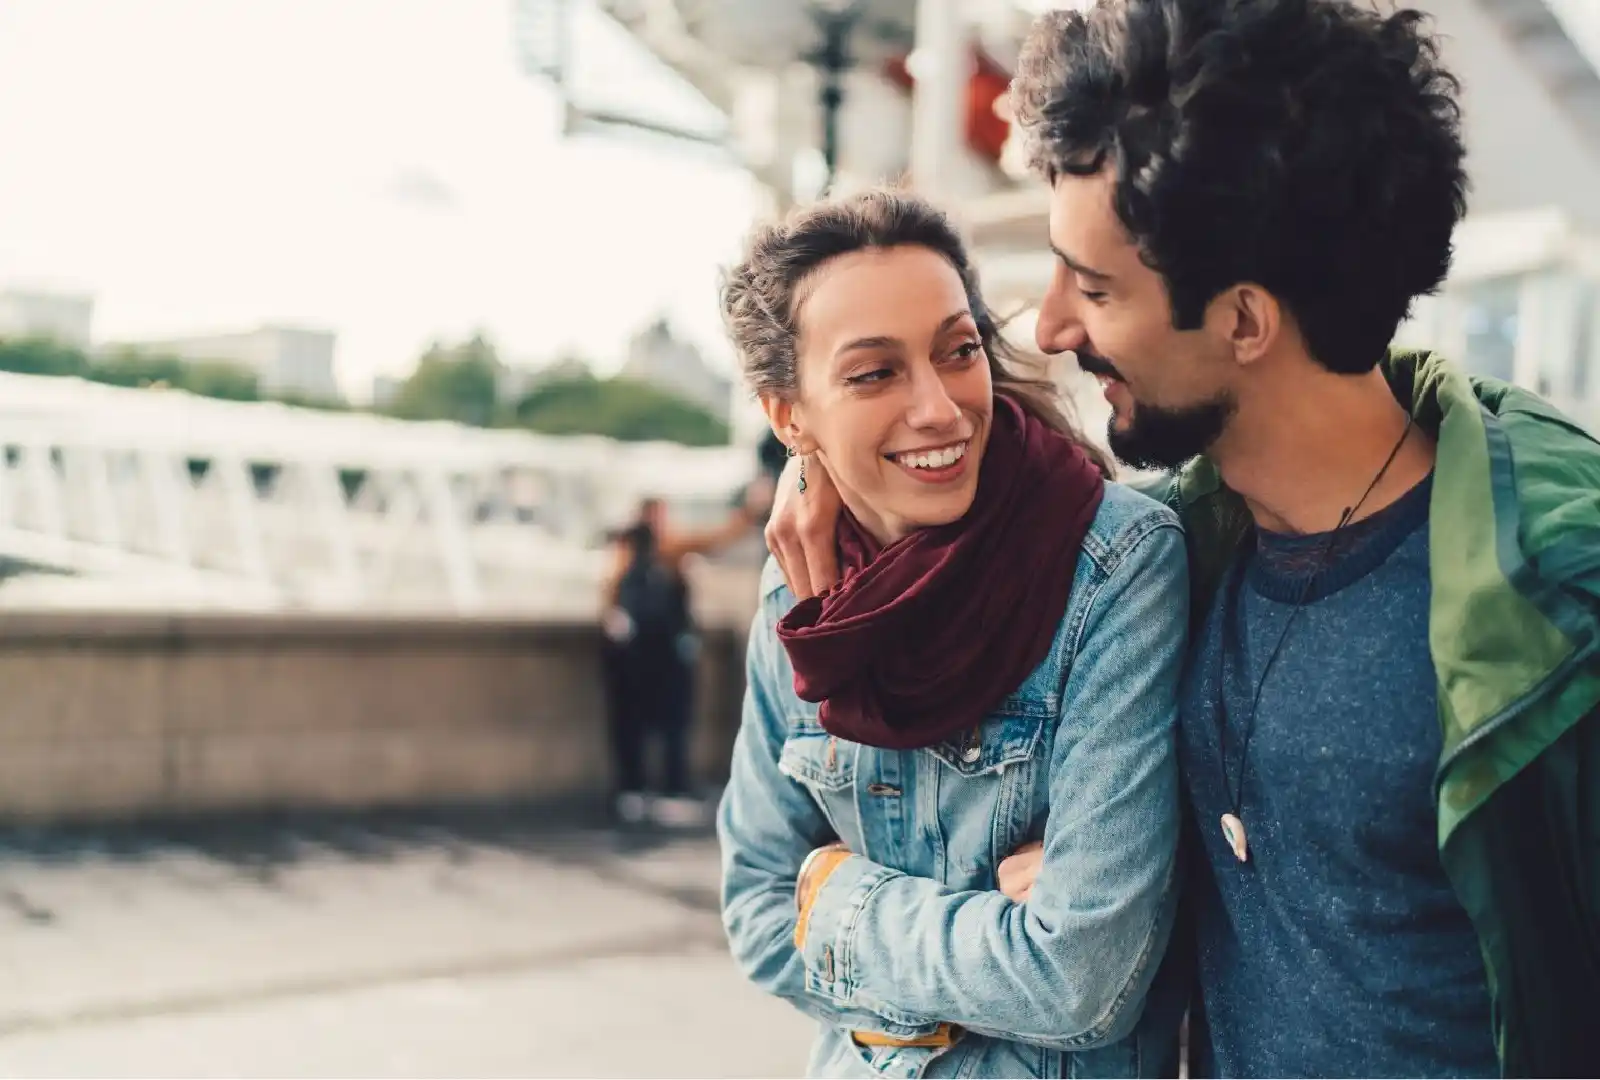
116	716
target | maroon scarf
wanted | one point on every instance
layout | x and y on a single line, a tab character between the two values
922	639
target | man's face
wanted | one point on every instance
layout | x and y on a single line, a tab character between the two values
1170	390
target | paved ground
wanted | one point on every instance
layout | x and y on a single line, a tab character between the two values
483	945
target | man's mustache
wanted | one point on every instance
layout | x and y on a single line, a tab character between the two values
1095	364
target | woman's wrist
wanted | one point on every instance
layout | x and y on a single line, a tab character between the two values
814	873
831	854
805	872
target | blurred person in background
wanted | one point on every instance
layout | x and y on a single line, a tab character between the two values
1000	664
1390	733
651	658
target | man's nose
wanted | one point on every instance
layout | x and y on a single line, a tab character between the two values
1059	328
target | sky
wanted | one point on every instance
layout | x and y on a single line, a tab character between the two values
378	167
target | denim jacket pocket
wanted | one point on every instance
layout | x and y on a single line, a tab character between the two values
826	767
990	792
1005	738
815	758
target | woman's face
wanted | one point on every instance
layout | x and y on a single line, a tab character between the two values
894	393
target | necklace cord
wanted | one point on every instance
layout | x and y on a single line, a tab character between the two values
1236	798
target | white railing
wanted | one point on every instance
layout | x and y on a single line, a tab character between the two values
294	508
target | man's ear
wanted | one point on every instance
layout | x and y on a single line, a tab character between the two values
1250	318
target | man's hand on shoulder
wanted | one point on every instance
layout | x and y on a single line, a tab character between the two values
801	532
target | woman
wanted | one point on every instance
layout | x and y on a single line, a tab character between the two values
999	665
650	655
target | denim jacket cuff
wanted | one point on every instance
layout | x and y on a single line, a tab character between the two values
830	932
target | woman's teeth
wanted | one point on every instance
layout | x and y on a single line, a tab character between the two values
934	459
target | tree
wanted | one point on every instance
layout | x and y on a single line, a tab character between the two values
133	367
459	384
321	404
213	379
207	378
42	356
620	408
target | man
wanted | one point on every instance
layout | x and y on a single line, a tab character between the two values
1391	723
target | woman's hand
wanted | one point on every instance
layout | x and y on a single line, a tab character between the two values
801	531
1019	870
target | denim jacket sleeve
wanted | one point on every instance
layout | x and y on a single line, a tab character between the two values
1070	968
766	825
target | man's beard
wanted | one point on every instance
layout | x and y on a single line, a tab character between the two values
1159	437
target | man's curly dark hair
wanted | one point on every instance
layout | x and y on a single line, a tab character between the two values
1312	147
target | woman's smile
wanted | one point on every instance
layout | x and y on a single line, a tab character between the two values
934	465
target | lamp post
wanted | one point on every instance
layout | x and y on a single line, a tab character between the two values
835	21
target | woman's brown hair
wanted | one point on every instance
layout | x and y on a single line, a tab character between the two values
760	293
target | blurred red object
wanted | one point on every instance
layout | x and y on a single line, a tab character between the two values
986	84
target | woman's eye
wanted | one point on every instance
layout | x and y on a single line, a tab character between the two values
875	375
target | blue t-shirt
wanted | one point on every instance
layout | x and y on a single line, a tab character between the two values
1339	947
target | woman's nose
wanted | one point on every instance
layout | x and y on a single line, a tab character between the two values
931	404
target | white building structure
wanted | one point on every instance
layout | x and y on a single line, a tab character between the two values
65	318
288	360
668	362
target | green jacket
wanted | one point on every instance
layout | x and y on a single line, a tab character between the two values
1515	634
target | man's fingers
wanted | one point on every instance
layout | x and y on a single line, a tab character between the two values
785	546
771	536
802	532
783	531
822	559
818	525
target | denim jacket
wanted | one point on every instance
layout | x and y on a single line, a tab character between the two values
911	930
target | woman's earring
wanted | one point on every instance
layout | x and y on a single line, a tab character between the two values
793	452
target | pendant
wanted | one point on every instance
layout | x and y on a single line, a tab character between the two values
1233	832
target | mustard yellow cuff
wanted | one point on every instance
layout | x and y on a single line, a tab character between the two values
819	866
